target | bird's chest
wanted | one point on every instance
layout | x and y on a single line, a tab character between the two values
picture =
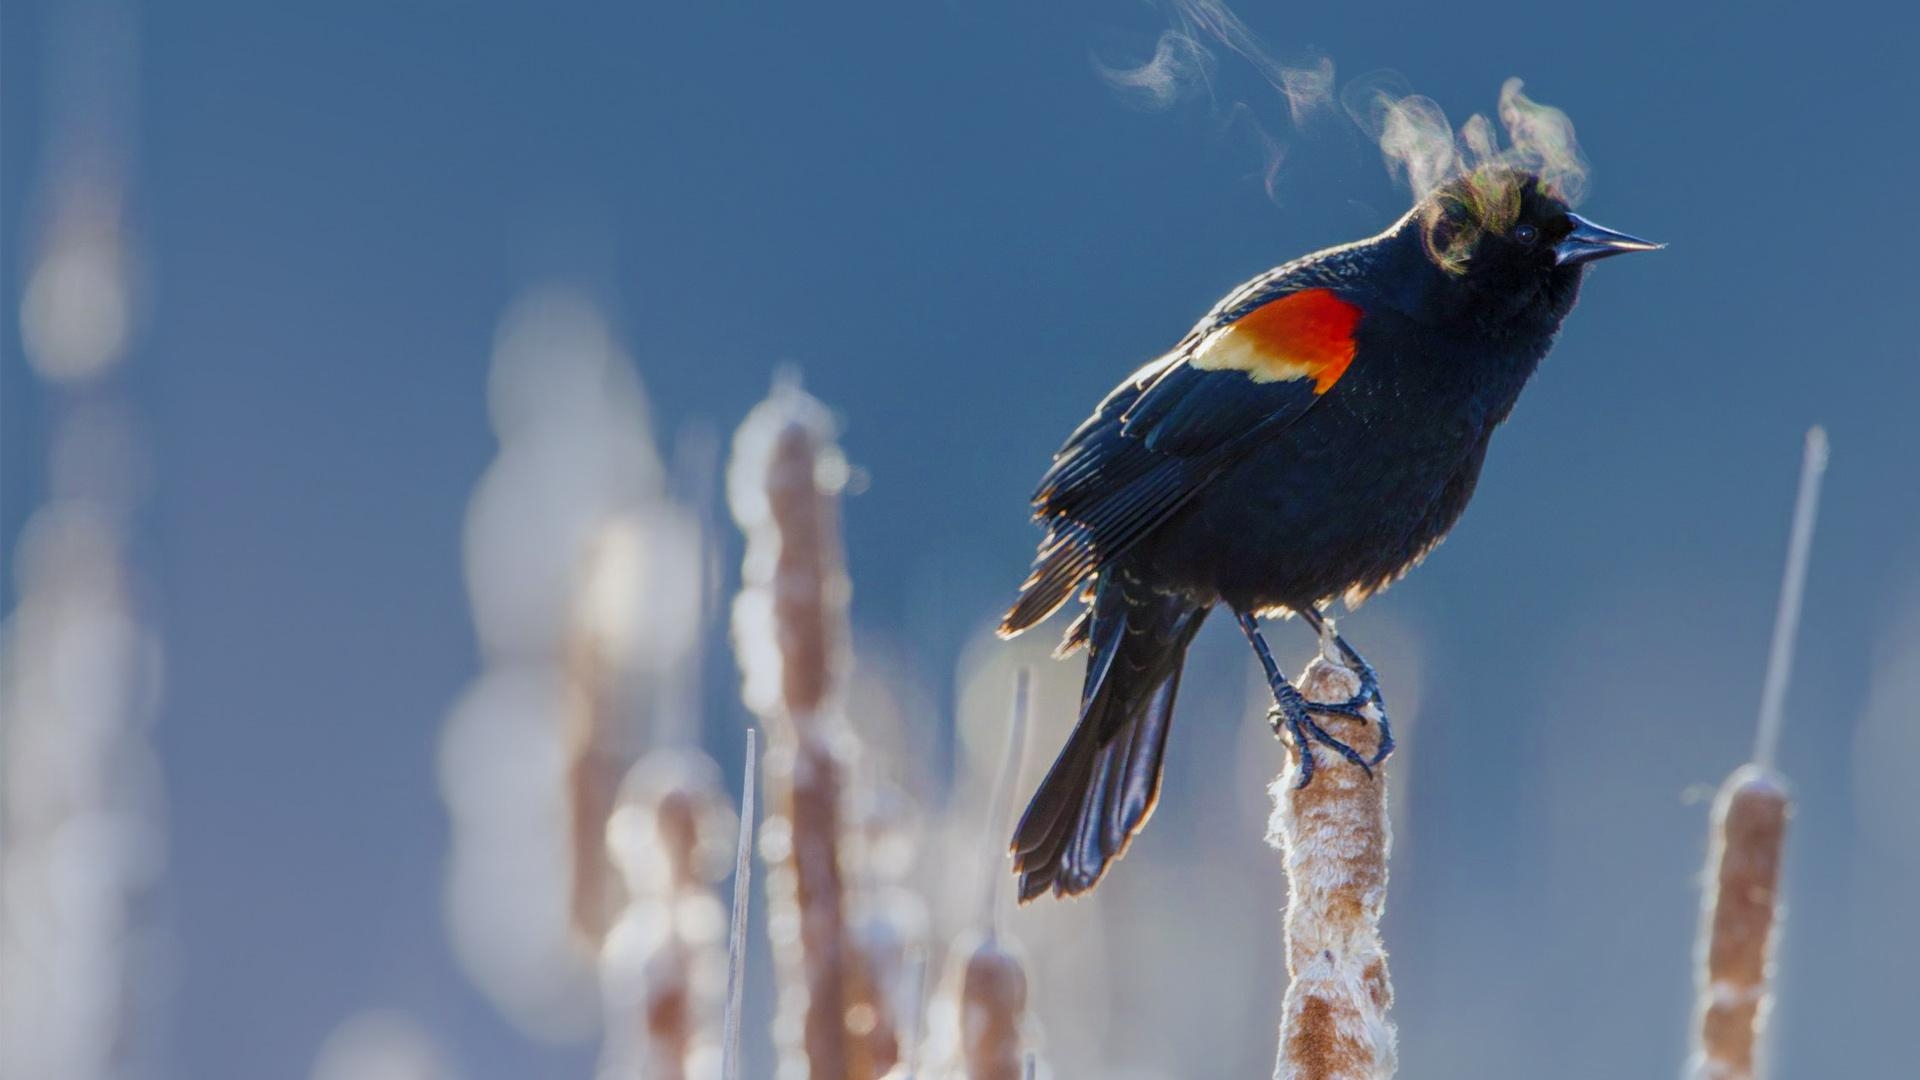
1395	435
1364	483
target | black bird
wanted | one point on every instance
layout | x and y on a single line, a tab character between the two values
1314	436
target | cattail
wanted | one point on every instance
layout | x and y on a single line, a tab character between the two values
790	633
638	568
1740	908
790	619
993	1001
993	989
576	568
1736	931
986	1040
663	965
1334	833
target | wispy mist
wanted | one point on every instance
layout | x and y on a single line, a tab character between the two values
1421	147
1179	66
1186	63
1425	151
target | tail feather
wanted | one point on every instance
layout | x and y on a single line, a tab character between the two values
1104	785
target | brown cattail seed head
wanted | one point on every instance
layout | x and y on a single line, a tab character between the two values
672	826
790	618
993	1001
1334	833
663	964
1738	916
790	634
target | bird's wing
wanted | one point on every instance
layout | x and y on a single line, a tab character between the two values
1259	361
1256	367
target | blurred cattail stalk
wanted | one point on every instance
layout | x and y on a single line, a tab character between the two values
993	1003
584	582
790	631
664	964
1335	836
1741	907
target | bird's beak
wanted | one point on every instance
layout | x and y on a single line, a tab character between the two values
1588	242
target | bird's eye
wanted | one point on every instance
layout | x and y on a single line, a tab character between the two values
1526	234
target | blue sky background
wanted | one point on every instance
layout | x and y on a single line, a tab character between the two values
963	237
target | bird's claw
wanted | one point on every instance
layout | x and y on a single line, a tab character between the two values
1336	650
1295	714
1355	708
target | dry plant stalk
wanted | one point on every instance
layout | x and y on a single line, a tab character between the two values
1736	926
790	630
1335	836
737	922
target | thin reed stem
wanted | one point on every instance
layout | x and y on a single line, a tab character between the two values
1793	583
993	982
1000	802
737	926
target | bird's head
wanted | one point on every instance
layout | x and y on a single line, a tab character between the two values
1511	240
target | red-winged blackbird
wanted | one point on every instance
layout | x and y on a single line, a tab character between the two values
1314	436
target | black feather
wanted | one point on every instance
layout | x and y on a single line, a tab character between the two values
1151	445
1103	786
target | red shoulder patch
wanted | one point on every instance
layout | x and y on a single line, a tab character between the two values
1302	335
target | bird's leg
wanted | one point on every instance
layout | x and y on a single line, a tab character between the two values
1295	711
1369	694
